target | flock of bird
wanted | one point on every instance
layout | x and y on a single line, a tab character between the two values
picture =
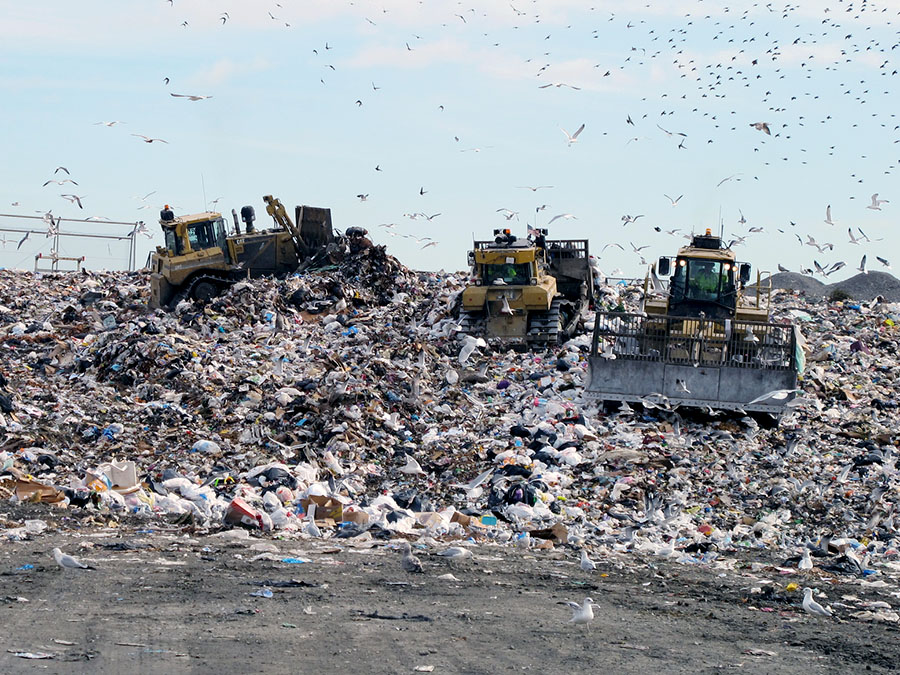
778	63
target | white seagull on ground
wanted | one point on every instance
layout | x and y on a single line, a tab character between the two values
581	614
68	562
812	606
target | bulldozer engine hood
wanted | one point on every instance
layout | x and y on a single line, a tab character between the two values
518	297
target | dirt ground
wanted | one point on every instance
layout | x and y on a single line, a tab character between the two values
176	602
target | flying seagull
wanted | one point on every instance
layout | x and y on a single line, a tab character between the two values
573	137
191	97
876	203
75	199
671	133
862	265
761	126
559	84
674	201
567	216
147	139
883	261
725	180
60	182
828	215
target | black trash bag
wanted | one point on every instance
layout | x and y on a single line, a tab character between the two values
273	478
520	493
513	470
412	500
520	431
47	460
6	403
545	457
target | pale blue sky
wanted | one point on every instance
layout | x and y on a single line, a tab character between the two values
284	120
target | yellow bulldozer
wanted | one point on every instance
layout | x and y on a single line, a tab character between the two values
529	291
201	258
704	340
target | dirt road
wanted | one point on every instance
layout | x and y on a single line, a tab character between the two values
170	602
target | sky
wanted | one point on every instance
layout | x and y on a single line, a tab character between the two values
433	122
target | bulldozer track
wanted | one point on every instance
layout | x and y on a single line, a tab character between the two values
545	327
472	323
187	290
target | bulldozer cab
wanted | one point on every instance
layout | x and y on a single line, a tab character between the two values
195	233
703	285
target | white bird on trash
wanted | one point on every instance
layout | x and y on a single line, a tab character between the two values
777	394
311	528
412	467
410	562
812	606
506	309
473	488
582	614
587	565
805	562
68	562
608	351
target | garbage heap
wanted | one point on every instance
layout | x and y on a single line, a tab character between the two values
344	402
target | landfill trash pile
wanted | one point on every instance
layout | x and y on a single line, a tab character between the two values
345	403
862	287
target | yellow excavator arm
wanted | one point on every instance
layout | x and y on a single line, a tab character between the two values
276	209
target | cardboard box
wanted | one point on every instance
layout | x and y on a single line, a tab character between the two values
358	517
466	521
30	491
328	511
558	533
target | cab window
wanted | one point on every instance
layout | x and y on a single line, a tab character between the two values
511	274
201	236
703	280
173	243
221	234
